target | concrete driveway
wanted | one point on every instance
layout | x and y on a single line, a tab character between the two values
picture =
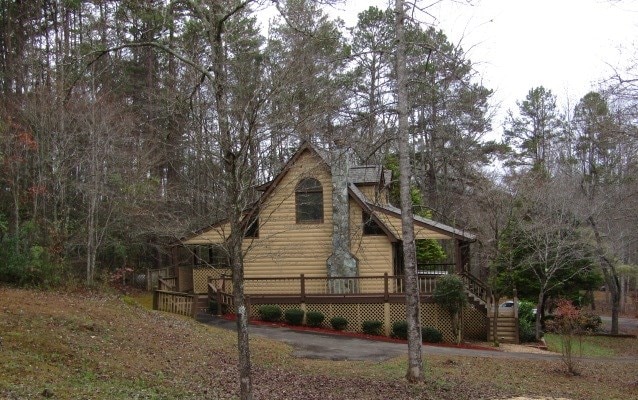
337	347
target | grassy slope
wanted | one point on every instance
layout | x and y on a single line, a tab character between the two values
98	346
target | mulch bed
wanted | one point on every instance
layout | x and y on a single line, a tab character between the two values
303	328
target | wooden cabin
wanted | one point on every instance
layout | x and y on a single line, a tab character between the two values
294	239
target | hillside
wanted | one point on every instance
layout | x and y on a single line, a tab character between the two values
101	346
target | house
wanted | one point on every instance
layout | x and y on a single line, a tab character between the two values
324	237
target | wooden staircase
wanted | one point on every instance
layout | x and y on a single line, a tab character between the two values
506	326
479	297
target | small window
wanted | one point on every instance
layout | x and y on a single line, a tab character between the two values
253	228
309	201
370	226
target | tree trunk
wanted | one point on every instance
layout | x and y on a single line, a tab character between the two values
235	204
540	313
415	363
610	274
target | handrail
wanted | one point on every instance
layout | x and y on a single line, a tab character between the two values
475	286
322	285
164	284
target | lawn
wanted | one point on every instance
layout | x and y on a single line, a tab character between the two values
597	346
103	346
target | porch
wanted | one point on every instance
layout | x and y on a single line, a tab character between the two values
358	299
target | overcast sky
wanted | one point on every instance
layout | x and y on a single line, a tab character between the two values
567	46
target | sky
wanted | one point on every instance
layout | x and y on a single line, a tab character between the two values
567	46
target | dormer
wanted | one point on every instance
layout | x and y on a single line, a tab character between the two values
373	181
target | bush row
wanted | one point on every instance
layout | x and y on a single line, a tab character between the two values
428	334
295	316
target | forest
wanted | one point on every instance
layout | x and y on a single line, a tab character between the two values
126	124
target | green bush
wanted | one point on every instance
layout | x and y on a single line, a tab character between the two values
400	330
338	323
372	327
431	335
526	330
294	316
525	311
23	264
270	313
314	318
589	322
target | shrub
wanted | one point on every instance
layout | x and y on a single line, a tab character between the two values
338	323
294	316
431	335
526	330
570	322
450	295
372	327
270	313
589	322
400	329
314	318
526	311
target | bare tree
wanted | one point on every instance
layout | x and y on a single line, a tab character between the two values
415	362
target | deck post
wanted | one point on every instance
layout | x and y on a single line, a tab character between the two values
155	299
385	287
515	293
195	299
386	318
303	288
219	303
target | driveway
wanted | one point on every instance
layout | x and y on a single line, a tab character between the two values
625	324
337	347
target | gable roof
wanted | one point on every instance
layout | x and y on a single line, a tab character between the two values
357	175
426	223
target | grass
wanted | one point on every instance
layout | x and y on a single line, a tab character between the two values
101	346
597	346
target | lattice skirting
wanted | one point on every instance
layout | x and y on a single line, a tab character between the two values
474	323
201	276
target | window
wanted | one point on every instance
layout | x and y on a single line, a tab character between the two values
309	201
253	228
370	226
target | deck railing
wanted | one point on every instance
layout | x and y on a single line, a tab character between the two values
167	284
309	285
175	302
476	286
153	275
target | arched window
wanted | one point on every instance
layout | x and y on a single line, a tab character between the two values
309	201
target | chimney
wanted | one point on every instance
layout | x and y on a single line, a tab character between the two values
341	262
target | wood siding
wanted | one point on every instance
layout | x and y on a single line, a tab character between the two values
285	248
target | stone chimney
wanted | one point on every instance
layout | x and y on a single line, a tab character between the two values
341	262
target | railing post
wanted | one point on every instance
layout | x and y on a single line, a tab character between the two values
195	299
386	295
516	316
247	305
219	303
303	288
